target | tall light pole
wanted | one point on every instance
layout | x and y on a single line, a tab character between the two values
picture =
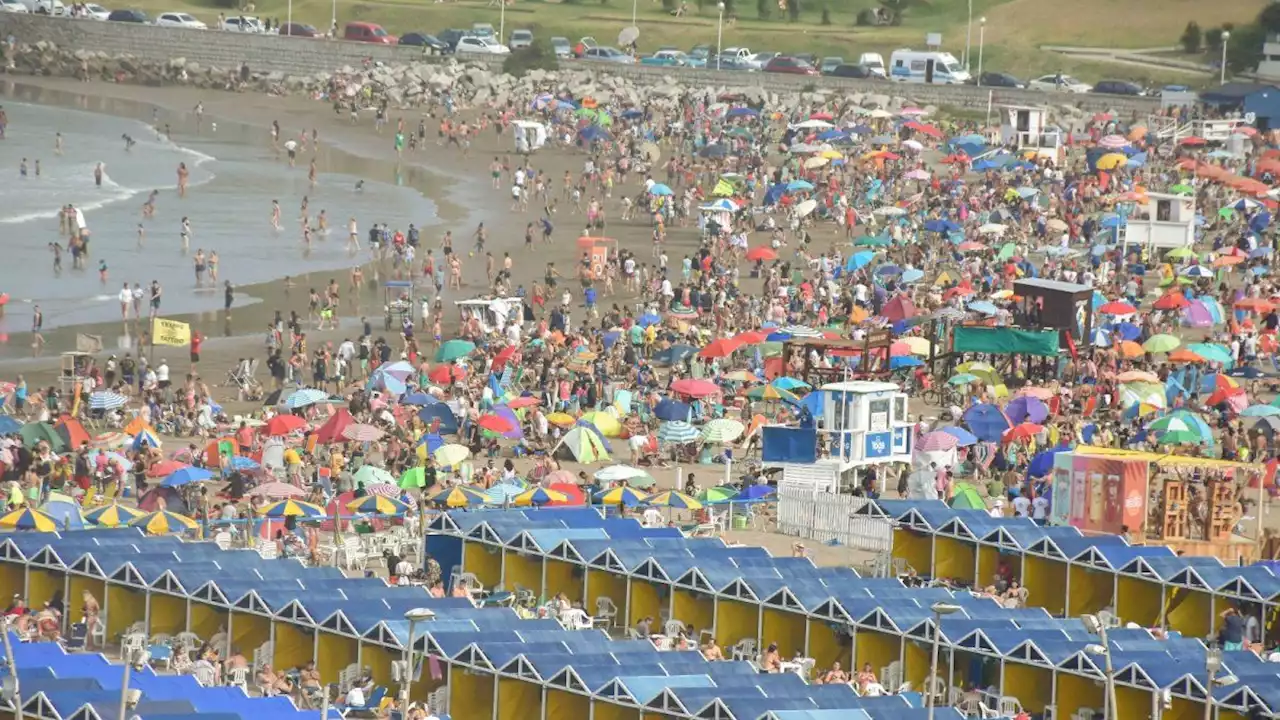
968	36
333	29
11	688
414	617
1103	648
502	20
939	609
1222	77
134	659
633	12
982	33
1212	663
719	33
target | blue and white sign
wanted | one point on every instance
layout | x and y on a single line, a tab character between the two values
878	445
902	441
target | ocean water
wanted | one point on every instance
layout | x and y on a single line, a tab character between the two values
233	177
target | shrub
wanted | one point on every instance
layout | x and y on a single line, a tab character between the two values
826	16
534	57
1191	38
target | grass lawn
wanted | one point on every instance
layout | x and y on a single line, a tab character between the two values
1015	29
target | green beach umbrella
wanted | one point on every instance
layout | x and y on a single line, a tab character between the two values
371	475
1182	189
718	493
770	349
414	477
871	241
1162	343
1211	351
966	497
963	379
33	433
454	349
1181	253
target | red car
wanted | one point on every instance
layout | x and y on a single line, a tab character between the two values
790	66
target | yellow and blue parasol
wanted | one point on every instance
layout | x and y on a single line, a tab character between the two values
461	496
673	499
622	495
292	508
539	496
28	519
163	522
377	505
113	515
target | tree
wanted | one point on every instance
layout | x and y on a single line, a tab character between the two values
1269	18
1244	49
826	15
1191	38
897	8
1213	39
793	10
763	11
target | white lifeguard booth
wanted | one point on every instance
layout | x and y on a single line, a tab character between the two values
1163	222
863	423
492	314
1026	129
529	135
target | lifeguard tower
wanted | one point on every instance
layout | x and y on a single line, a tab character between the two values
862	423
1026	128
1163	222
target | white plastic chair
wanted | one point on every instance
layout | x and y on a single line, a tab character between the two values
206	675
352	555
576	619
745	649
673	628
223	540
438	701
1009	706
238	677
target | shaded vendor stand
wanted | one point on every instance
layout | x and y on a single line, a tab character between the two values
873	350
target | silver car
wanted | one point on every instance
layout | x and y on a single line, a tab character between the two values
602	53
520	39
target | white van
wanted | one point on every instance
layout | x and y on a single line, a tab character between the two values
926	66
873	62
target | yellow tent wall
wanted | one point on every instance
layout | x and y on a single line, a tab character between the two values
124	607
249	631
736	620
916	548
166	613
471	695
1230	715
295	646
696	609
564	704
424	685
1138	600
1190	612
602	583
42	585
1033	686
1138	704
483	561
916	659
206	620
654	716
1075	692
1046	583
602	710
954	559
645	600
76	587
565	577
876	648
13	580
522	570
786	629
988	561
378	659
333	653
826	646
1090	591
518	699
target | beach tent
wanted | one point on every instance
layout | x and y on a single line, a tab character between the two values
583	445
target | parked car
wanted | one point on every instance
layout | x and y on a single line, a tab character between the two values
561	47
481	46
13	6
700	52
790	66
829	63
1059	83
849	70
667	58
243	23
583	45
433	44
451	37
298	30
133	16
520	39
807	57
95	12
1119	87
368	32
757	61
729	59
47	7
484	30
179	19
1000	80
602	53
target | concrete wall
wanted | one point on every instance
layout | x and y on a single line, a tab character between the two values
309	56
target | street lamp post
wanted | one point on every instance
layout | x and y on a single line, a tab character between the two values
719	33
1212	663
132	659
1222	77
982	32
633	12
414	617
1103	648
939	609
11	681
502	20
968	36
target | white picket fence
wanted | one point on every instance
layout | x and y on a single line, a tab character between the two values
825	517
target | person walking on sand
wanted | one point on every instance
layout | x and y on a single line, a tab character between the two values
126	298
199	109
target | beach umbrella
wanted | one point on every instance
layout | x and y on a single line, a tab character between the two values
717	494
1162	343
292	508
107	400
677	432
754	492
35	432
668	409
451	455
418	399
615	473
414	477
987	422
963	379
372	475
937	441
540	496
501	493
1025	407
1176	431
305	397
1022	431
115	515
1260	411
64	510
278	490
965	497
456	497
163	522
454	349
673	499
376	505
788	383
281	425
1117	307
1212	352
770	392
722	430
185	476
695	388
963	437
622	495
722	347
361	432
28	519
10	425
660	189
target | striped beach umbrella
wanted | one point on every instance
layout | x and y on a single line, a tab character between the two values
361	432
717	494
163	522
113	515
386	490
145	438
539	496
460	496
677	431
292	508
451	454
769	392
622	495
305	397
377	505
722	430
28	519
107	400
673	499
